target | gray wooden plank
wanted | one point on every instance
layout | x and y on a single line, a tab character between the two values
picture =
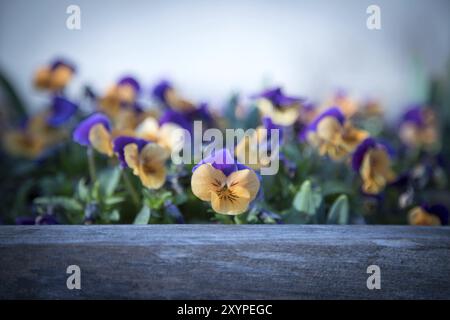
225	262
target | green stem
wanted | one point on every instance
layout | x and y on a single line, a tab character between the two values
131	190
91	163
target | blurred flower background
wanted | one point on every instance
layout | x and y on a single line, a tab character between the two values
88	117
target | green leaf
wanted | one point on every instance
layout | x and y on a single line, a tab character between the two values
109	180
339	212
307	200
113	200
143	217
114	216
67	203
83	190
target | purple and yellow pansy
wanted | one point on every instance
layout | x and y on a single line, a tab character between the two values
166	94
419	127
229	186
55	76
167	132
95	131
146	159
344	102
426	215
332	135
282	109
41	131
371	160
121	96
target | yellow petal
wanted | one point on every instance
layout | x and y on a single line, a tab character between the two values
101	139
234	204
42	78
126	93
153	154
152	175
246	179
132	157
125	119
60	77
170	135
352	137
178	103
375	171
206	180
284	116
329	129
419	217
148	129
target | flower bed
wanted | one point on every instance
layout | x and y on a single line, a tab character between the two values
120	157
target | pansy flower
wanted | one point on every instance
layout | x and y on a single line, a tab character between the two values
147	160
166	94
418	127
167	132
256	150
371	160
344	102
95	131
227	184
121	96
274	104
332	135
33	138
426	215
54	77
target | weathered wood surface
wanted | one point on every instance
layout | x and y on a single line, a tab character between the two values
224	262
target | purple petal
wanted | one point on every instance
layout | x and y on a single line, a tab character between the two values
119	144
81	132
128	80
62	62
366	145
438	210
61	111
331	112
278	98
269	125
176	117
358	155
414	114
222	160
159	91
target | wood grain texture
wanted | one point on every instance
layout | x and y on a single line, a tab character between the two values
224	262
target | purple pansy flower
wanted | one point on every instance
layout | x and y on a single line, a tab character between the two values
61	111
278	98
222	160
120	143
81	132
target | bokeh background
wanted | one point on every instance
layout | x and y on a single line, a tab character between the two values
212	48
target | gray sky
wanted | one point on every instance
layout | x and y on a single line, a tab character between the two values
209	48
